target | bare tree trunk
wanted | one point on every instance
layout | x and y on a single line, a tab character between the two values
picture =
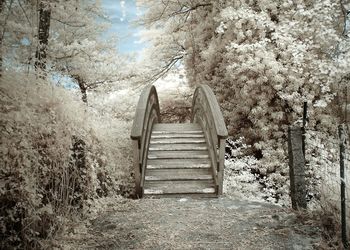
82	86
1	35
83	91
43	34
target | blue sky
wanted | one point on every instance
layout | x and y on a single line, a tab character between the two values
122	13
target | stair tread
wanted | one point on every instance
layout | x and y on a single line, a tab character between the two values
181	154
183	132
178	174
180	127
176	135
177	163
179	187
178	147
177	140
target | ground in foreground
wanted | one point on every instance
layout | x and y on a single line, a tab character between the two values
221	223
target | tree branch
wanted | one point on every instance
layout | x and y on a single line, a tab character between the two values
4	24
164	70
69	24
74	53
184	9
25	14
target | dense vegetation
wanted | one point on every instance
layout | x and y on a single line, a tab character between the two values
65	142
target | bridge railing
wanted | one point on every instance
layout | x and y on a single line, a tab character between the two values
147	114
206	111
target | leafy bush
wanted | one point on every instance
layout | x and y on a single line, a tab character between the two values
247	177
54	159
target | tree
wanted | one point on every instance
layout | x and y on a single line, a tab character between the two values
2	2
166	25
79	50
263	58
1	8
62	37
43	35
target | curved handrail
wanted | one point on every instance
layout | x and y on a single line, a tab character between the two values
215	111
206	111
147	114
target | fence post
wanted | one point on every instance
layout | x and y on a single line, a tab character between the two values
305	119
296	167
342	143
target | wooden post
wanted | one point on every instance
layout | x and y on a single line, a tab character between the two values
221	164
342	152
304	125
137	171
296	167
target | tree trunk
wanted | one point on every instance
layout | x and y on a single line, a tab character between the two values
83	91
43	35
82	87
1	35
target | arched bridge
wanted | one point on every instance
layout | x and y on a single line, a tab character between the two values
185	159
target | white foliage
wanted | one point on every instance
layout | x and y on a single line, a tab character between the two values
263	59
42	179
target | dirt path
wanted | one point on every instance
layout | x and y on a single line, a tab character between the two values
193	224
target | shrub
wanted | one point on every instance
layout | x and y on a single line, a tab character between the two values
54	160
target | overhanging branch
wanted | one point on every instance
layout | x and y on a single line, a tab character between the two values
69	24
183	10
164	70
